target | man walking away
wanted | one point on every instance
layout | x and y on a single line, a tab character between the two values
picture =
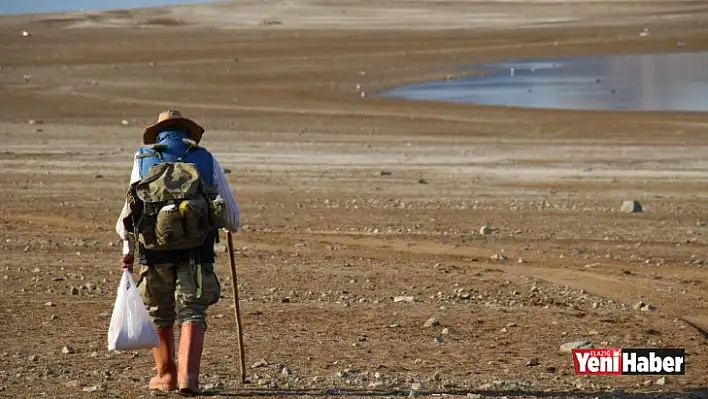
177	201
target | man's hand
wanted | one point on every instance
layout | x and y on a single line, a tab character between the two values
126	262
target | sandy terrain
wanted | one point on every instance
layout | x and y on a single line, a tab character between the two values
351	201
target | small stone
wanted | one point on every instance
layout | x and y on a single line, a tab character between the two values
260	363
445	331
407	299
499	257
439	340
569	346
416	386
92	388
521	260
32	358
286	371
67	350
50	304
431	322
631	207
74	291
533	362
485	230
647	308
661	381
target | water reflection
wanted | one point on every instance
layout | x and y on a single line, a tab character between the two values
49	6
674	81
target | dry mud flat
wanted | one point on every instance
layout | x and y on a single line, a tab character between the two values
363	268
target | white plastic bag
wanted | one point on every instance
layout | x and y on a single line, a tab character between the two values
131	327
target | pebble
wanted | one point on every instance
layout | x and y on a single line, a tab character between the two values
569	346
499	257
533	362
648	308
661	381
286	371
67	350
486	230
631	207
431	322
260	363
407	299
74	291
49	304
92	388
445	331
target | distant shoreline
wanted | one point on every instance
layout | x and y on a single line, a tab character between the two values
18	9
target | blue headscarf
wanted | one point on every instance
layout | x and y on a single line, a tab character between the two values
171	133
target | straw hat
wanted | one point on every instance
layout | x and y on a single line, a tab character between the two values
172	118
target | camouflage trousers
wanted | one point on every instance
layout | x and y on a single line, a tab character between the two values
179	290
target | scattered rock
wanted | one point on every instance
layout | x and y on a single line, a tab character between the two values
431	322
67	350
286	371
486	230
439	340
416	386
446	331
499	257
648	308
74	291
51	304
260	363
271	21
92	388
212	386
35	122
569	346
521	260
662	381
32	358
407	299
533	362
631	207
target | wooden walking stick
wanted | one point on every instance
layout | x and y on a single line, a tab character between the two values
237	308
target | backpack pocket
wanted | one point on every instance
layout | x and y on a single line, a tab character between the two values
169	227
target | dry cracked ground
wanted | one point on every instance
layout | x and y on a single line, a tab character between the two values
365	267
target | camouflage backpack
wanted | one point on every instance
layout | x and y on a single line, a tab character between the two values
175	209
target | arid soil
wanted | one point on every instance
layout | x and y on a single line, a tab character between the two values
362	216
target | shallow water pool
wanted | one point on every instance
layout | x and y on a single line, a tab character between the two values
648	82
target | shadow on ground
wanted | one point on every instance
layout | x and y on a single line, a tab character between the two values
699	393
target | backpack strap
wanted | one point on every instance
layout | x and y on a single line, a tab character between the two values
155	151
191	145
